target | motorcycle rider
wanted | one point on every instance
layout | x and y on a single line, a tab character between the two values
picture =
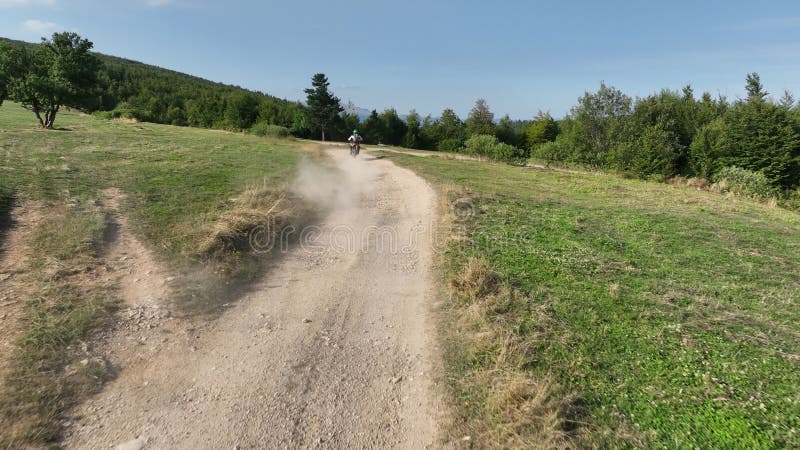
355	142
355	138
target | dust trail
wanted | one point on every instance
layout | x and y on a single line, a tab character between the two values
329	350
335	188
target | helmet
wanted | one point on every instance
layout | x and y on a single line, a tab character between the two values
355	131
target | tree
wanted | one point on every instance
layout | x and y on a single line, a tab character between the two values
323	106
61	71
787	102
241	110
10	68
448	132
543	129
755	90
511	132
394	129
413	138
597	124
373	129
761	137
480	119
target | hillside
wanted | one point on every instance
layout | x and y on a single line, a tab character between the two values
154	94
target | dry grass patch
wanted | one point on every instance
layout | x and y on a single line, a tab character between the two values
502	404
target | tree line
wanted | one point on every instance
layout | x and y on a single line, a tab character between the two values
63	70
664	135
673	133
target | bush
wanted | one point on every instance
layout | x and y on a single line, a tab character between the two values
481	145
488	146
264	129
551	152
744	182
122	111
792	200
450	145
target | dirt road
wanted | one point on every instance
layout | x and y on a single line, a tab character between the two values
333	349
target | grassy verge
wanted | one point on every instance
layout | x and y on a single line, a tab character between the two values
65	306
603	312
191	195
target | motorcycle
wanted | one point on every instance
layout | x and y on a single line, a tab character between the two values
355	148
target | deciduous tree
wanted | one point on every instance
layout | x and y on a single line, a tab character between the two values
60	71
543	129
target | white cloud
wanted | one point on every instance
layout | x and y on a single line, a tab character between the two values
42	27
24	3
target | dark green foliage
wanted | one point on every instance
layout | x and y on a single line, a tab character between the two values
703	158
131	89
59	71
543	129
323	106
596	125
450	145
372	129
10	66
512	132
755	90
761	136
347	123
660	150
413	128
672	133
394	129
488	146
241	111
481	119
551	152
265	129
448	133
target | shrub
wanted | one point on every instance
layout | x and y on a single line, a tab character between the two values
792	200
122	111
481	145
551	152
265	129
744	182
488	146
450	145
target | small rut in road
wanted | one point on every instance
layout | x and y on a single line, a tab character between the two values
14	285
334	348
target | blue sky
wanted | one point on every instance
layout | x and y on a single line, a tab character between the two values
521	56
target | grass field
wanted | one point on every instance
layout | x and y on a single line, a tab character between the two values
181	187
594	311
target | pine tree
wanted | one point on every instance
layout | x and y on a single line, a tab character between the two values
481	119
323	106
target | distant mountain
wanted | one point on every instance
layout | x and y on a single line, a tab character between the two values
362	113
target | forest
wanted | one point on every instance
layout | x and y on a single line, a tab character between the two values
139	91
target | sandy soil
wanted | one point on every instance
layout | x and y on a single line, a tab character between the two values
335	348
